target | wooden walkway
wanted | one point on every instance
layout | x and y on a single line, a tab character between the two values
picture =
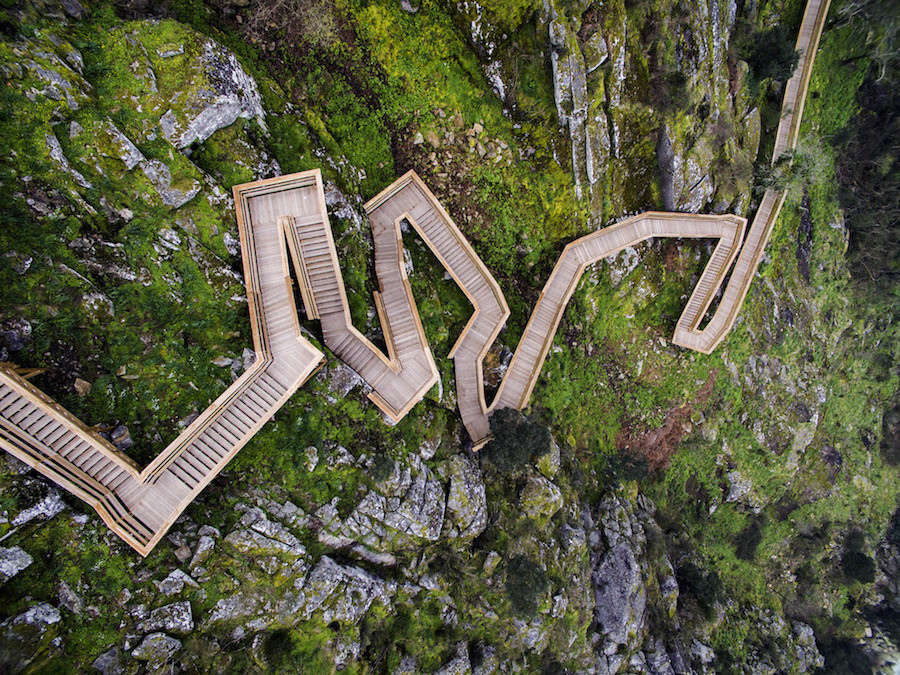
402	377
140	506
517	385
409	199
723	318
287	215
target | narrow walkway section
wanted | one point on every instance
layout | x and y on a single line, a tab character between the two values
687	333
400	378
409	199
525	367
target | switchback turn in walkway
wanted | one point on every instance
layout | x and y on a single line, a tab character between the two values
140	506
286	217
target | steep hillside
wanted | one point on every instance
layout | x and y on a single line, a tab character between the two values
686	513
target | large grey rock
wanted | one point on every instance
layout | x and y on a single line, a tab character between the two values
331	591
261	536
12	561
242	605
161	178
342	593
540	499
311	458
175	582
60	81
460	664
595	51
58	156
466	502
69	599
121	145
110	662
570	90
806	653
45	509
533	635
204	548
403	510
344	652
625	572
657	659
619	593
175	618
156	649
702	653
28	636
254	543
342	379
15	334
231	94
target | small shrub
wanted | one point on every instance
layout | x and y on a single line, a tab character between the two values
770	54
843	656
704	587
747	540
795	169
516	440
855	563
382	467
525	582
669	90
626	466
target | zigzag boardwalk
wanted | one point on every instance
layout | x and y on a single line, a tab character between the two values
516	388
288	214
760	230
409	199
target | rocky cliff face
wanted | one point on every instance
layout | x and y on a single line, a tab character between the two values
693	514
654	96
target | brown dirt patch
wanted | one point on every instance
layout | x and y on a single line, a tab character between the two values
658	445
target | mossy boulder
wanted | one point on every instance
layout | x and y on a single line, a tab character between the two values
540	498
466	504
29	639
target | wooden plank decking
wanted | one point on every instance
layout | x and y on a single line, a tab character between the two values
408	198
517	385
141	506
287	215
722	320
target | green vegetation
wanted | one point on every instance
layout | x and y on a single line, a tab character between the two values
516	441
771	54
525	582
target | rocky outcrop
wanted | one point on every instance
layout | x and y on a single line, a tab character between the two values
224	94
540	499
343	594
609	118
466	503
636	596
12	561
406	508
581	108
29	637
330	591
620	577
175	619
156	649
